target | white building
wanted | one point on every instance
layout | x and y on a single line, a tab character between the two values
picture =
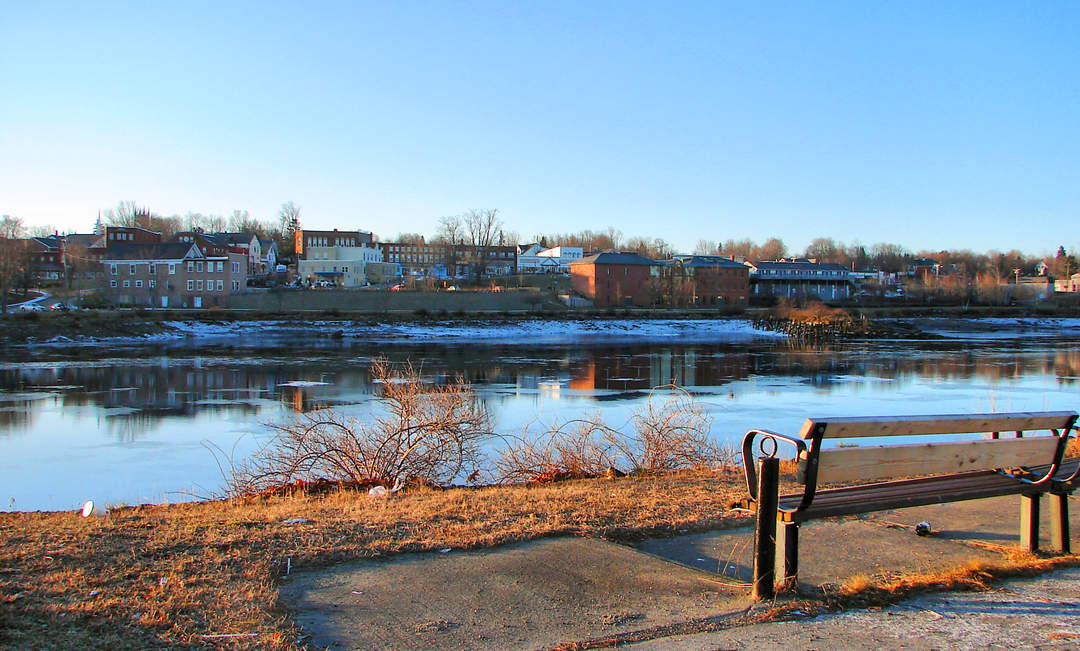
534	259
562	256
344	266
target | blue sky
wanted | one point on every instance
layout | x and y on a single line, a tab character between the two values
931	125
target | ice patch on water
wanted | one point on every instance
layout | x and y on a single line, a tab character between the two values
303	383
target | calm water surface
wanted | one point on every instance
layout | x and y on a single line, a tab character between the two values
135	424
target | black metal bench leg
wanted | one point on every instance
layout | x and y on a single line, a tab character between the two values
765	533
787	548
1029	523
1059	522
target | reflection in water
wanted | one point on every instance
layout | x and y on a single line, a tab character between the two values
142	419
138	393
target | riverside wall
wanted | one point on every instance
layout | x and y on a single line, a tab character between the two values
385	301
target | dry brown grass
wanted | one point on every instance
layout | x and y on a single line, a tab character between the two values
167	576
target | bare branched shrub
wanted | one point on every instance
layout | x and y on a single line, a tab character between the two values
570	449
670	436
420	432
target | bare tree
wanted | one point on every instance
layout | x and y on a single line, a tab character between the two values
242	222
126	213
823	249
409	238
705	247
43	230
509	238
451	230
215	223
288	220
772	249
889	257
14	264
482	226
11	228
738	248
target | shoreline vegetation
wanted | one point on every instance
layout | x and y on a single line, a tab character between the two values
187	575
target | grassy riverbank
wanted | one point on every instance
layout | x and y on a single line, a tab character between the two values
206	575
169	576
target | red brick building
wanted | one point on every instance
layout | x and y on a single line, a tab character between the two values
611	279
704	280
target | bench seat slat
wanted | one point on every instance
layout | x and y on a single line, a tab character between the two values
860	426
877	462
885	496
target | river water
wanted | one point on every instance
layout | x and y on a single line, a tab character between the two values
136	421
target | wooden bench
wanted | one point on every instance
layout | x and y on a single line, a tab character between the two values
1020	454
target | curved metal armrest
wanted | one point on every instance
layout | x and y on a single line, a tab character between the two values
748	453
1071	477
1051	474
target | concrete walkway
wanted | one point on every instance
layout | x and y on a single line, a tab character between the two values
550	592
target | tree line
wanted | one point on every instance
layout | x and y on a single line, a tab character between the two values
280	229
484	227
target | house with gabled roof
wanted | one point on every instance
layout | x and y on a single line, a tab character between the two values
247	243
171	275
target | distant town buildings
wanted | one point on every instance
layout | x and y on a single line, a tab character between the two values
135	266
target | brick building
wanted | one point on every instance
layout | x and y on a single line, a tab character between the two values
703	280
172	275
444	260
615	279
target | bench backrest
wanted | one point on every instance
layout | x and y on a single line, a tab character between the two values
842	464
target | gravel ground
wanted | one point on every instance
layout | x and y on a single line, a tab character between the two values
1039	613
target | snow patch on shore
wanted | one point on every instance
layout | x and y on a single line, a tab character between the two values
1001	328
524	333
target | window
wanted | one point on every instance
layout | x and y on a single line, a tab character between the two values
138	283
153	283
131	270
220	266
220	285
152	268
236	267
127	283
172	270
190	266
190	285
198	266
112	283
235	286
345	270
112	270
198	285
